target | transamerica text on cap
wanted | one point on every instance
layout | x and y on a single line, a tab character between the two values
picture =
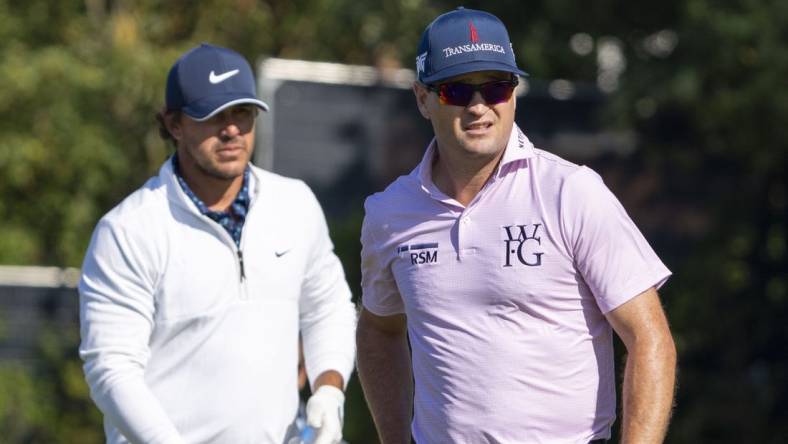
472	47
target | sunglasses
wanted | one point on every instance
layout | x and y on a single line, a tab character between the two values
461	94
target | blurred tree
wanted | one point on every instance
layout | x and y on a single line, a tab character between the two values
712	116
48	403
83	79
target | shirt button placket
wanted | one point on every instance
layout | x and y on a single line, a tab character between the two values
462	235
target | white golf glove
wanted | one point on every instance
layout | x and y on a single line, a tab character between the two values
325	413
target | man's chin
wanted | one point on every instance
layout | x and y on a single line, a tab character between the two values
482	148
226	171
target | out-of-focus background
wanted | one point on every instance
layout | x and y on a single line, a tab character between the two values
681	105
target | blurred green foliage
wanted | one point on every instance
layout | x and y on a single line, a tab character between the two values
81	81
48	402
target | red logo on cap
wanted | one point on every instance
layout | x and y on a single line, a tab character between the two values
474	34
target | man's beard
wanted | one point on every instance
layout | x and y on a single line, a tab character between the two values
206	167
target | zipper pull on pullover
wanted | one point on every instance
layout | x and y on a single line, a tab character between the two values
241	263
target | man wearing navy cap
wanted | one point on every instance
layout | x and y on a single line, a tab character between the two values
495	273
196	287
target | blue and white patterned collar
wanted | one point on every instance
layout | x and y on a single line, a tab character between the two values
234	217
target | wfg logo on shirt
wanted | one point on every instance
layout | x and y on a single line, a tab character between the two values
520	242
419	254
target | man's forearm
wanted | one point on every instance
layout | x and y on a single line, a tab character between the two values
384	369
649	382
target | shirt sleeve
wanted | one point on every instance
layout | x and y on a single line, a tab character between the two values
327	315
116	320
380	294
614	258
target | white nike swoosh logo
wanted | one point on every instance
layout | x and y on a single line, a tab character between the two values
213	78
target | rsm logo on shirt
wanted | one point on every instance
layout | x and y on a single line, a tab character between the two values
522	244
420	253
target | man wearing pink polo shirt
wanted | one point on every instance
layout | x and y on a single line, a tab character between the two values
507	268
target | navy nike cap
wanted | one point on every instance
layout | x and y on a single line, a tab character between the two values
463	41
207	79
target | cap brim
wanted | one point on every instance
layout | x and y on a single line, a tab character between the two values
465	68
197	111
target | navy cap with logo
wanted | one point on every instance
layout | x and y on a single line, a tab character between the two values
463	41
207	79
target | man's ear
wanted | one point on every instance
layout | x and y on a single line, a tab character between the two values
422	95
173	123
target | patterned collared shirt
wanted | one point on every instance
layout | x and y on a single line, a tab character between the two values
233	219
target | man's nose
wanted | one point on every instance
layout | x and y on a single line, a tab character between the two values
230	129
477	105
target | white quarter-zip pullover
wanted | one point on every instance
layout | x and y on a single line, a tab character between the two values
179	345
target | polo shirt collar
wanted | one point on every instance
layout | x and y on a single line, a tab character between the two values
518	148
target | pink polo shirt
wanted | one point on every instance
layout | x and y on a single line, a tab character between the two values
505	298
